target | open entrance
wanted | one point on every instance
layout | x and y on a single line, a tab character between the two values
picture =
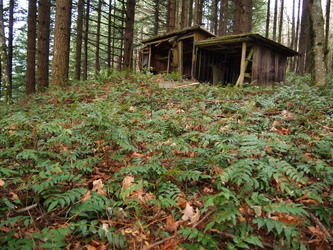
224	65
187	56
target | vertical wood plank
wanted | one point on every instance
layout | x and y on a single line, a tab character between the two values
242	66
180	57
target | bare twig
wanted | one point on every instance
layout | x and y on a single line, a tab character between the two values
321	226
161	242
176	235
26	208
203	218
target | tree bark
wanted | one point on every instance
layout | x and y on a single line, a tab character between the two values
304	61
275	19
79	34
171	16
110	44
30	84
98	36
198	11
223	17
10	44
129	34
60	64
281	22
184	15
190	13
43	45
242	16
317	38
156	17
86	37
3	57
214	16
327	31
268	16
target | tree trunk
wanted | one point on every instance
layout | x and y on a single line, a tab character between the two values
171	16
198	11
86	37
293	36
60	64
184	15
317	38
275	19
214	16
223	17
30	86
190	13
242	16
156	17
43	45
98	36
10	44
304	62
110	44
327	30
129	34
281	22
268	16
79	33
3	57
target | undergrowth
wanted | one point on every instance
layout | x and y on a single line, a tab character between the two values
117	162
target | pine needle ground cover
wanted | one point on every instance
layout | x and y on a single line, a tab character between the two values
122	163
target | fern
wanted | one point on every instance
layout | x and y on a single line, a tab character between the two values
168	194
64	199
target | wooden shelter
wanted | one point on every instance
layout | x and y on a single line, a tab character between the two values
241	58
172	52
198	54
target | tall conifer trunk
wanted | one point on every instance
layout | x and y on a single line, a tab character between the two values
3	57
60	64
171	16
79	33
129	34
43	45
317	38
30	82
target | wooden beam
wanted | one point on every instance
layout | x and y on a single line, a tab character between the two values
149	58
244	65
169	57
180	57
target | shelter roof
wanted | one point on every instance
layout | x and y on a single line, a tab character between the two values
229	43
182	32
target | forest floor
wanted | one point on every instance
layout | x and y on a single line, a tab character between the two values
120	162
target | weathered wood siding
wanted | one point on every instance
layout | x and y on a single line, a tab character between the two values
268	65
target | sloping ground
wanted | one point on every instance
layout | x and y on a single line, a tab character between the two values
126	164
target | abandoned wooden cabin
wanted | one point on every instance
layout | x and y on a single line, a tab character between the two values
196	53
172	52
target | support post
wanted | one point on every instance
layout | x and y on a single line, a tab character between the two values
242	66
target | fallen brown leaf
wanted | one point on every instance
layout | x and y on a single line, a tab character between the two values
171	224
190	215
13	196
318	233
2	183
87	196
98	187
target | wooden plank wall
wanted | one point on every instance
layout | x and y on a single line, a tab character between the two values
268	66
